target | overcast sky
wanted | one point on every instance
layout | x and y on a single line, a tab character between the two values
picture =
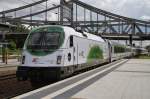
139	9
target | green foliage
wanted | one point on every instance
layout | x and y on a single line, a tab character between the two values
0	51
143	57
14	52
12	45
95	53
148	48
11	52
11	49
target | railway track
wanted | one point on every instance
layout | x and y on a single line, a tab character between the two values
7	72
9	86
6	77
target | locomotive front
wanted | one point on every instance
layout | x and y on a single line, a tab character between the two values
42	54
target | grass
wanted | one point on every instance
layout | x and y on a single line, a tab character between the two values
143	57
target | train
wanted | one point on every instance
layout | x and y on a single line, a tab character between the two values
53	52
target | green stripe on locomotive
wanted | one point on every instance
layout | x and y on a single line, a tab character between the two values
95	53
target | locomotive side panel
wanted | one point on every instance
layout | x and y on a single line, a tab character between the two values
90	52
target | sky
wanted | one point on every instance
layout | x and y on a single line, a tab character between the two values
139	9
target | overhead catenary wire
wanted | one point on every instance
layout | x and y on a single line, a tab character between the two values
29	3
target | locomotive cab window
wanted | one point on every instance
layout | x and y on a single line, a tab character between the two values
71	41
43	40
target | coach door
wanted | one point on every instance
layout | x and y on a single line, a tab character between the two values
73	44
110	51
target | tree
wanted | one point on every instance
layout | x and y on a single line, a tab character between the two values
12	45
148	48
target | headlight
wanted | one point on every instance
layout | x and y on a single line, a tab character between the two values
59	59
23	59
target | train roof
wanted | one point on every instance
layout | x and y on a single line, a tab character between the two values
90	36
116	43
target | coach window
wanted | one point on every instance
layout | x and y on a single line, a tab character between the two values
71	41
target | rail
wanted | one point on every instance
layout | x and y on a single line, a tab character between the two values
6	77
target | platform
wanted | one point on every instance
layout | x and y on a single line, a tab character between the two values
130	81
126	80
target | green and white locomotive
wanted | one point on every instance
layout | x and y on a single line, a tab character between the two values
54	52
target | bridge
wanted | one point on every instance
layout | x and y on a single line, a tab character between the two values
80	16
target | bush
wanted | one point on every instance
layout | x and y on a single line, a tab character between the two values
12	45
